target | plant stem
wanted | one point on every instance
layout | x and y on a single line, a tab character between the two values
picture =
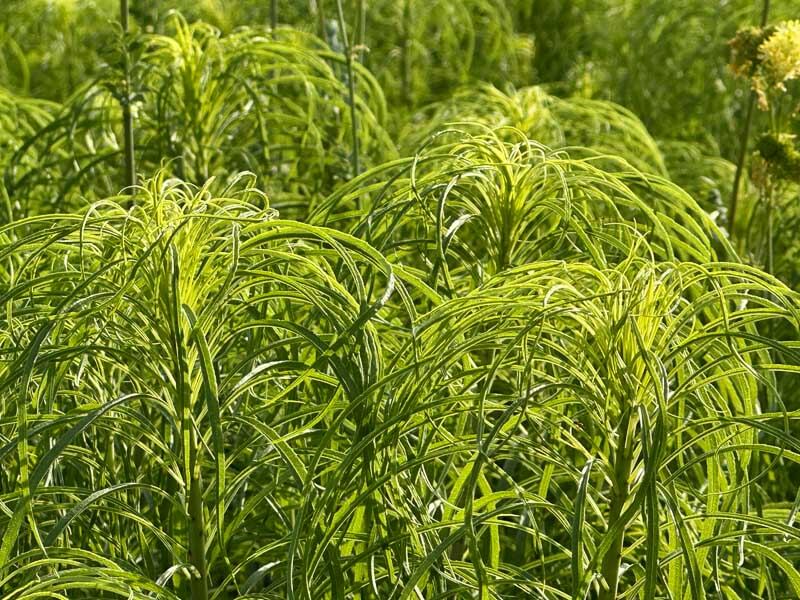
362	30
197	542
770	235
127	116
748	120
619	495
351	84
321	20
192	476
405	75
273	15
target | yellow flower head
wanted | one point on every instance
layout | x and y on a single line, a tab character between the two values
780	54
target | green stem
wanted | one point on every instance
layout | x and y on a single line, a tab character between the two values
273	15
195	525
745	137
619	495
197	541
770	235
321	21
127	116
351	85
405	75
362	30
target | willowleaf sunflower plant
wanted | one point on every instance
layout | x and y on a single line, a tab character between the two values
367	329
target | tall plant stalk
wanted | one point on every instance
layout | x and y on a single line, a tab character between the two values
745	137
319	10
273	15
619	496
405	48
197	541
351	87
127	116
191	459
362	30
770	233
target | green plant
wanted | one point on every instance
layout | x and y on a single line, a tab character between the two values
201	399
744	62
474	40
50	47
470	205
704	174
158	338
393	320
20	118
351	86
769	58
205	105
574	408
576	123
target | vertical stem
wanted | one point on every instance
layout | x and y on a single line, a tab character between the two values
748	120
320	20
405	75
619	495
740	162
273	15
770	234
70	69
127	116
197	542
351	83
195	525
362	30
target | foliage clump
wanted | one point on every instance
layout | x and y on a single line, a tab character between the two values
746	53
211	105
380	316
281	409
781	155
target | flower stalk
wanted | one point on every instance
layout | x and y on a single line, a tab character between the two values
127	115
743	140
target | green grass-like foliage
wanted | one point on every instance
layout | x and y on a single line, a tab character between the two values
20	118
152	337
424	49
209	105
576	122
49	47
384	317
200	399
470	205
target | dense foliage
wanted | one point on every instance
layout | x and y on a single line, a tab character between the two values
407	300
